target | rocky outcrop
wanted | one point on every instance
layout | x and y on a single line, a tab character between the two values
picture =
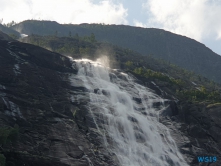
35	97
195	127
196	130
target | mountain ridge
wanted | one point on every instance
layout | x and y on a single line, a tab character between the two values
180	50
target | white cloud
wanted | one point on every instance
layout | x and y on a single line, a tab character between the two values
198	19
139	24
64	11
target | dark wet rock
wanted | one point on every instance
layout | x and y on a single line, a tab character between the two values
171	109
106	93
138	100
132	119
196	130
36	95
96	90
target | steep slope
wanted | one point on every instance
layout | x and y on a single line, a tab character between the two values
166	73
3	36
177	49
9	31
37	124
44	119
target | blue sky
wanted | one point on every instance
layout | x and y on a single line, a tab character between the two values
197	19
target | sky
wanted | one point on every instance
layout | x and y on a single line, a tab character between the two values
196	19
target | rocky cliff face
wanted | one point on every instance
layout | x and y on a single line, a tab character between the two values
55	129
196	130
195	127
34	95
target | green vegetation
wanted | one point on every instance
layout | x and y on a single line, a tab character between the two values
202	94
2	160
64	45
75	112
157	75
13	36
90	38
213	105
176	49
129	64
8	134
185	89
10	24
182	83
12	33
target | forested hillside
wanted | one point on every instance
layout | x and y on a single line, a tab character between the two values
183	84
176	49
14	34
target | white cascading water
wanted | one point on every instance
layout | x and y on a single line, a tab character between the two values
124	114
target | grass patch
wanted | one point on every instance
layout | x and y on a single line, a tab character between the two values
213	105
2	160
8	134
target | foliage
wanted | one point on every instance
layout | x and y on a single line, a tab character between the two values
2	160
10	24
157	42
199	95
157	75
8	134
90	38
148	67
13	36
213	105
129	63
64	45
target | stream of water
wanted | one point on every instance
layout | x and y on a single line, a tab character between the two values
126	115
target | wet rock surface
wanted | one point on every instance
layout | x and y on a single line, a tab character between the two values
195	127
196	130
35	95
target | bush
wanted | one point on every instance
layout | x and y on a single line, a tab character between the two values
199	95
2	160
129	63
8	134
157	75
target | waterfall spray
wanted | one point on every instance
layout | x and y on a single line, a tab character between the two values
124	113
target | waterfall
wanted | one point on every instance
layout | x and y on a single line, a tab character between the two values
126	115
